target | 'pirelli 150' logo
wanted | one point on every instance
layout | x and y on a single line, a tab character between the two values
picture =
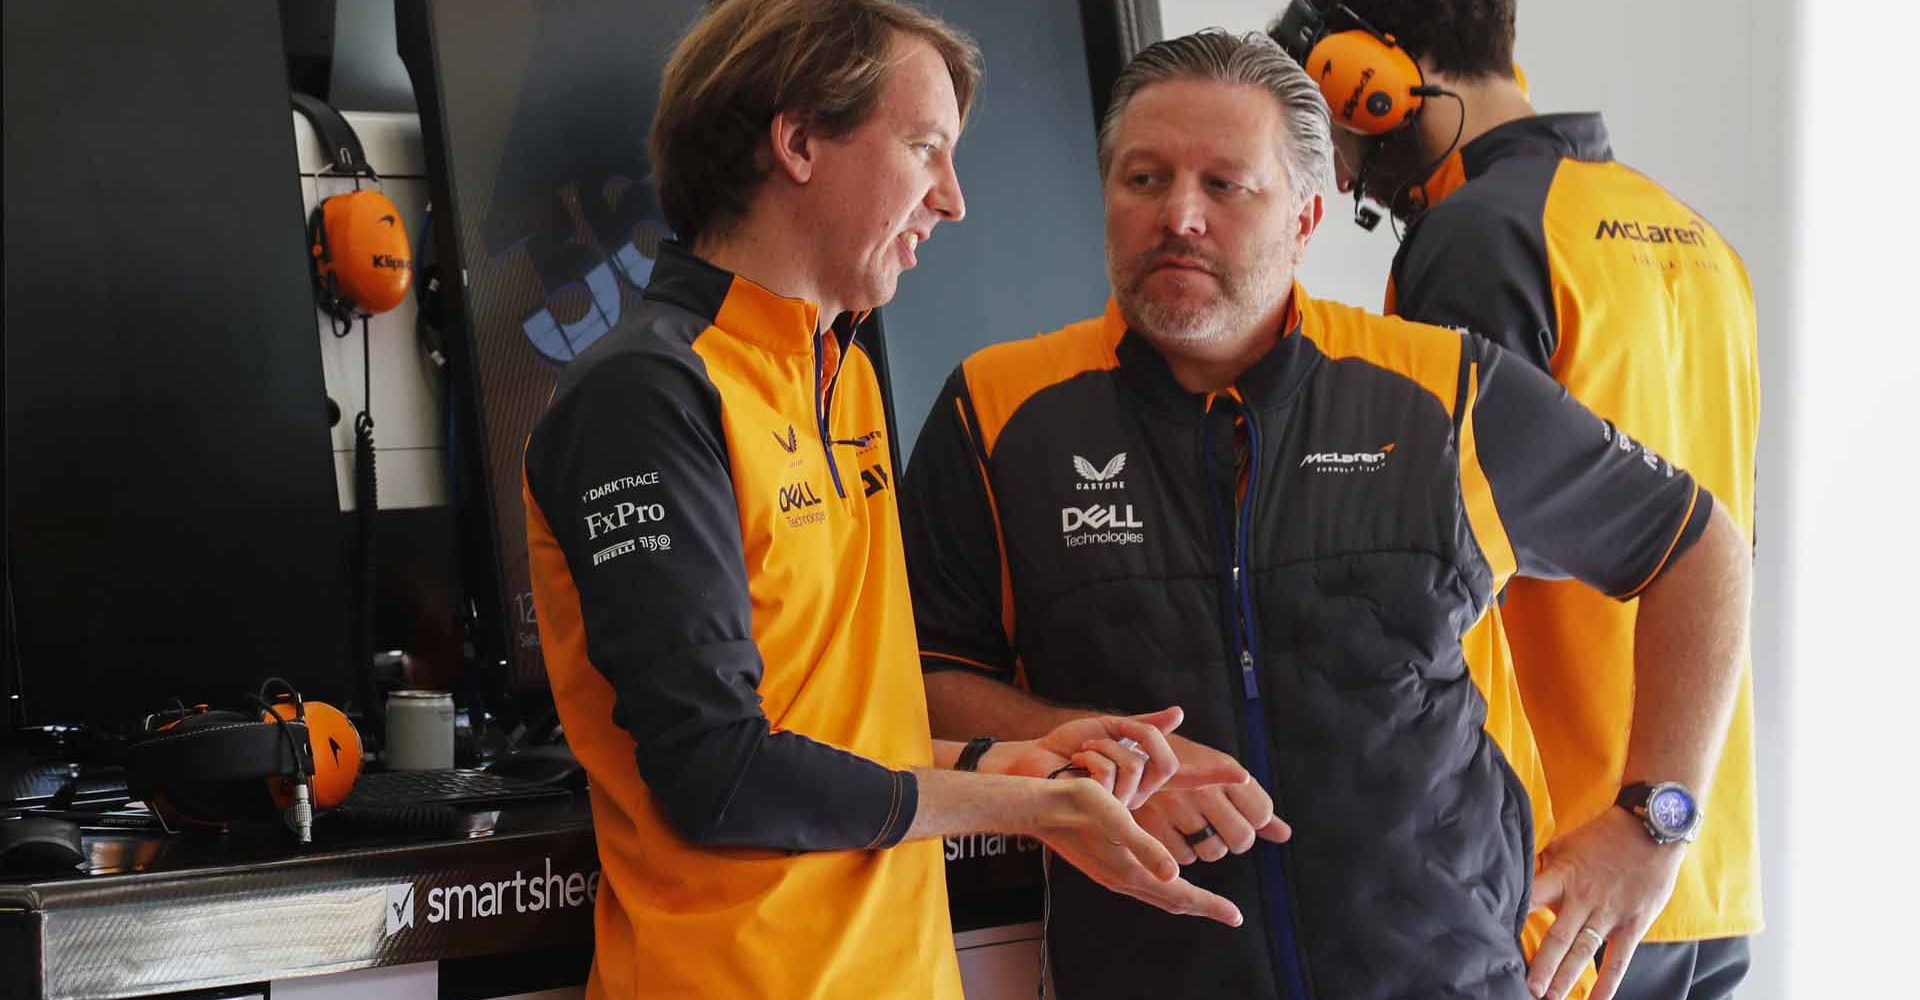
624	515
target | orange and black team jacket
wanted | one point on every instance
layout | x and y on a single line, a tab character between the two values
1593	273
723	604
1295	563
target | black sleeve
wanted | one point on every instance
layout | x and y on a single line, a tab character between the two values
1578	497
630	468
1468	267
953	543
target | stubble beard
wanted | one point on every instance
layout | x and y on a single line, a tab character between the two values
1242	300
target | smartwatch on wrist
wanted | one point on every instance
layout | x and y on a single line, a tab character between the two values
1667	809
970	757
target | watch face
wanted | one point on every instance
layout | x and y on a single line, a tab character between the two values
1671	809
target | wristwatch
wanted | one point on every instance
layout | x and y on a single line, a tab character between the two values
976	748
1668	810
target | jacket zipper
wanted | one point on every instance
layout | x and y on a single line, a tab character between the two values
1270	859
823	403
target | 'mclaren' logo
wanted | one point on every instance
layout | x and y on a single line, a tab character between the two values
1348	461
1693	234
1101	478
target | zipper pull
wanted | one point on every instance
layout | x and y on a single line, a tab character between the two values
1246	676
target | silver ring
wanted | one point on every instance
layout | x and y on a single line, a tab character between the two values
1598	938
1134	745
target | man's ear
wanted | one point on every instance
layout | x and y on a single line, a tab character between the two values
792	140
1312	209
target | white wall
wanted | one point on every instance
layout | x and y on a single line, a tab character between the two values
1700	95
1851	549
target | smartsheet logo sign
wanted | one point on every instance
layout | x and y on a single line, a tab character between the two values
399	908
523	892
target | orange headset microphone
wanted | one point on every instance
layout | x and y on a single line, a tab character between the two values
362	261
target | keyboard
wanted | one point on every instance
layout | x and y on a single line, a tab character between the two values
401	789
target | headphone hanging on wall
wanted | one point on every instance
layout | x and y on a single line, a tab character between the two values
362	266
357	242
207	768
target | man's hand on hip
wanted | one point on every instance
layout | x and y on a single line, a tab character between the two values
1605	882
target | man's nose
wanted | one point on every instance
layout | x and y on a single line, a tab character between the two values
945	199
1183	212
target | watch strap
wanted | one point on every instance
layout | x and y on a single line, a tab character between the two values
975	749
1633	796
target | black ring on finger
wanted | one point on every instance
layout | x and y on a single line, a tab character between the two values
1200	836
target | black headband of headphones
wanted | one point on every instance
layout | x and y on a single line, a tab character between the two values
344	152
1300	26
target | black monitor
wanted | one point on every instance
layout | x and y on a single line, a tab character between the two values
535	119
172	523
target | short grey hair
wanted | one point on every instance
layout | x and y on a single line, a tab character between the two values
1253	59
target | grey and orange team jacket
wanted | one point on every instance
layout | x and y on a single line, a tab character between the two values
723	604
1294	562
1538	239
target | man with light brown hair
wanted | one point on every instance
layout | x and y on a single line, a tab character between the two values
717	560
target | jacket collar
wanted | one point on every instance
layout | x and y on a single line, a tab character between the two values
1269	383
738	306
1567	136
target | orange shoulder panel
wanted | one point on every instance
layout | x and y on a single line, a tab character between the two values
1003	377
1427	355
1477	491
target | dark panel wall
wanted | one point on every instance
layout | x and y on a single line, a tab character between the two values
1030	255
171	516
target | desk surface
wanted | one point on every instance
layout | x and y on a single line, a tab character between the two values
156	913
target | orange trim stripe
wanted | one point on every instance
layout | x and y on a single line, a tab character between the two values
999	536
1692	502
1003	377
1482	514
1427	355
962	660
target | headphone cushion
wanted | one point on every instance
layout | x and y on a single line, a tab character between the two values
366	252
1368	81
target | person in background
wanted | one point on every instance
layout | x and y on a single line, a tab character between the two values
1522	227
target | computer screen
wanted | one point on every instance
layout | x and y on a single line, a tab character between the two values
535	117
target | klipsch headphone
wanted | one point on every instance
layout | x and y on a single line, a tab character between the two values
357	242
362	266
207	768
1371	85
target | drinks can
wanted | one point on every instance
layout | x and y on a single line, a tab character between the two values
419	730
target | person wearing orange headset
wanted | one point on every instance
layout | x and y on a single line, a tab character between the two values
1522	227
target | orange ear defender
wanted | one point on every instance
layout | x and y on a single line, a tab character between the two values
1371	84
207	768
362	260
